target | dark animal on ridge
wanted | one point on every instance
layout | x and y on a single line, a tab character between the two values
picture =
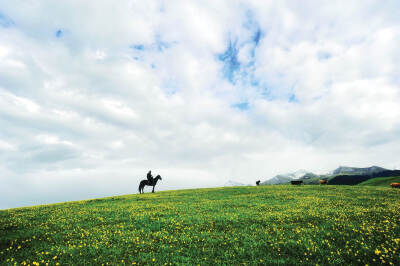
146	182
296	182
396	185
258	182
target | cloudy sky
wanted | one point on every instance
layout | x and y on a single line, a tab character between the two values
93	94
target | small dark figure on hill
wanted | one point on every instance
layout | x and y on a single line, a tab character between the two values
258	182
296	182
146	182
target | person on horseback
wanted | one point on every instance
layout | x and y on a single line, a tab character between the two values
147	182
150	177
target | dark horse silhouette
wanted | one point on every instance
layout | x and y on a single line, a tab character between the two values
146	182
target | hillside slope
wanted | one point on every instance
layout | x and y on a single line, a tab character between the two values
283	225
381	181
357	179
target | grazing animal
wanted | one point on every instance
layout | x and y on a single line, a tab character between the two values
258	182
396	185
146	182
296	182
323	182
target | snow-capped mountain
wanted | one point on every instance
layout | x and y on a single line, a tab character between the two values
285	178
333	176
345	170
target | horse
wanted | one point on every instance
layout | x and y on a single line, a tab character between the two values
323	182
146	182
395	185
296	182
258	182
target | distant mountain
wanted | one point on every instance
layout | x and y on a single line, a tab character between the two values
343	175
232	183
345	170
286	178
278	179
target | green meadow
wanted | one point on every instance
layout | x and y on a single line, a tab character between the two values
278	225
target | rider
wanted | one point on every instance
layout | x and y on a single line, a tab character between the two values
150	177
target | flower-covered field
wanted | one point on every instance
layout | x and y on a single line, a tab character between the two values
239	225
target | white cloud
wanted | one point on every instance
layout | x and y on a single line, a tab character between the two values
94	94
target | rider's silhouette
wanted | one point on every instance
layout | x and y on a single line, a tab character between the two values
150	177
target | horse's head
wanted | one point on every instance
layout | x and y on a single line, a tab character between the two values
158	177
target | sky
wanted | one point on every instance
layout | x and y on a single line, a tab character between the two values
94	94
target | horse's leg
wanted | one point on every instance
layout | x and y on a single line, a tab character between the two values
153	189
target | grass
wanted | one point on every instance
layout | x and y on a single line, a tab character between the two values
381	181
285	225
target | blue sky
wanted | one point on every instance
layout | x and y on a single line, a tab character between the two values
95	94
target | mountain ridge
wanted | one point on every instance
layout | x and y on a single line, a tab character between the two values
285	178
358	170
342	172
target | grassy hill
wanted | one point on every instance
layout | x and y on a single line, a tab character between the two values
284	225
381	181
355	179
